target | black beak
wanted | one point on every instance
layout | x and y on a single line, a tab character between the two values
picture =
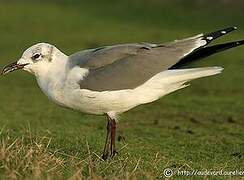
12	67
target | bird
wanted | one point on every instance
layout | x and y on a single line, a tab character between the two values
111	80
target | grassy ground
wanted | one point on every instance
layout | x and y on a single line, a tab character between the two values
197	128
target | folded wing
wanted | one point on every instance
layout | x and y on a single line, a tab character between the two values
128	66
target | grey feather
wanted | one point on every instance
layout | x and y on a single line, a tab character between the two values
127	66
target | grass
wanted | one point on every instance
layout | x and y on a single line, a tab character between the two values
199	128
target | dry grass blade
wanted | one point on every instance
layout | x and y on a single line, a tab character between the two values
137	164
25	158
20	159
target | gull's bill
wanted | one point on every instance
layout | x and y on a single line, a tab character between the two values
12	67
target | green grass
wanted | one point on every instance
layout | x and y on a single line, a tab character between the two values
200	127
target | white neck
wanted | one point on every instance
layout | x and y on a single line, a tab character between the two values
50	79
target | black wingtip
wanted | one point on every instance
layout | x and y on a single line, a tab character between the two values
234	44
206	51
216	34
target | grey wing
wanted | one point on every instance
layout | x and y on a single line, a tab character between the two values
130	65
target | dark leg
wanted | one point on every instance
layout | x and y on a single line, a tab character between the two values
109	148
113	136
106	151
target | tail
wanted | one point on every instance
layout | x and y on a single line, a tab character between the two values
182	76
172	80
205	51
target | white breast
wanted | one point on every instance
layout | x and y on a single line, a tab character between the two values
95	102
61	86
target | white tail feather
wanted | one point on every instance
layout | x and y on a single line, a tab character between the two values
171	80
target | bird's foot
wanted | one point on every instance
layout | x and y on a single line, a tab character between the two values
108	155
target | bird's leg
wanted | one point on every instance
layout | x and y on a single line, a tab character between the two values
109	148
106	151
113	136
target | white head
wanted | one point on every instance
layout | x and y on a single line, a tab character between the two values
36	59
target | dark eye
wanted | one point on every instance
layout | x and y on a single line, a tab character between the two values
35	56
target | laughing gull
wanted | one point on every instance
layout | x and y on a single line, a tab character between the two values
111	80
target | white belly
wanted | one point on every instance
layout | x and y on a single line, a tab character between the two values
66	92
103	102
